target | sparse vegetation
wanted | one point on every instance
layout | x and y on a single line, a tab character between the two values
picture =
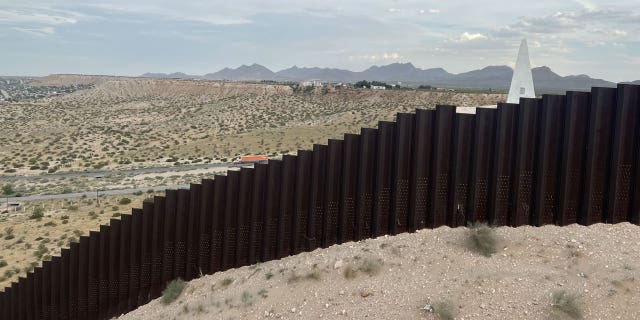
371	266
445	310
481	239
172	291
565	305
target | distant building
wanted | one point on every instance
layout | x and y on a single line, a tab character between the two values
378	88
311	83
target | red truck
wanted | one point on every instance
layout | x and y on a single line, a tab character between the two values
250	159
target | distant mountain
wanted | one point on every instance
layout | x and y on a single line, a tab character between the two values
242	73
497	77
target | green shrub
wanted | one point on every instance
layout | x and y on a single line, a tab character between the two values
565	305
37	213
124	201
481	238
172	291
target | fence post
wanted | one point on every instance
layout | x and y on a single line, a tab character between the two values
481	171
441	166
169	237
622	154
317	209
461	169
103	272
230	220
93	274
601	118
572	174
38	311
383	178
271	210
124	263
332	192
633	98
256	231
181	229
15	301
193	231
55	288
422	181
366	183
30	303
83	279
206	222
302	201
403	156
114	267
63	307
134	257
524	171
145	252
506	131
244	215
287	206
549	159
217	227
74	262
349	187
22	297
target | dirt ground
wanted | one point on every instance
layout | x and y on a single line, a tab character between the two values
395	277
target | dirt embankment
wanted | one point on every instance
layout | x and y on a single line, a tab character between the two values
395	277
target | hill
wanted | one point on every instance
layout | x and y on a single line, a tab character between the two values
497	77
395	277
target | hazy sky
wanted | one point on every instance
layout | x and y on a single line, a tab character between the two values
130	37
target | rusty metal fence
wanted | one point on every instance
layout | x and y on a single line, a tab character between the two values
555	160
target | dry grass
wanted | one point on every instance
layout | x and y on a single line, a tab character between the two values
172	291
565	305
481	238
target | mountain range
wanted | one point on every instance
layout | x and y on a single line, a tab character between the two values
498	77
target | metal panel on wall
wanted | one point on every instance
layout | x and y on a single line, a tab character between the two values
93	275
287	206
124	263
481	170
332	193
349	189
302	201
145	252
601	117
169	237
23	297
230	220
271	210
46	292
317	209
244	215
622	154
441	166
114	266
193	231
103	272
461	169
366	183
256	231
217	226
403	154
37	289
524	171
383	178
549	159
634	99
157	251
30	301
181	231
421	182
135	257
63	308
15	301
500	194
206	222
573	160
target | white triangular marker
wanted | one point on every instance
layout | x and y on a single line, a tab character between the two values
522	81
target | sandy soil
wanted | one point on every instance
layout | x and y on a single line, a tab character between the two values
599	264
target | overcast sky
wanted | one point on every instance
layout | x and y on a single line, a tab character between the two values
130	37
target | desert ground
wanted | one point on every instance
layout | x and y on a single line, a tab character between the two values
394	277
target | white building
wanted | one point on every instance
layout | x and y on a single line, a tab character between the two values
522	81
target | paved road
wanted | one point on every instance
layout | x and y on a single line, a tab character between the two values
128	172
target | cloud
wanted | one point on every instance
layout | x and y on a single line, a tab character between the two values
432	11
393	10
40	32
30	16
393	56
470	37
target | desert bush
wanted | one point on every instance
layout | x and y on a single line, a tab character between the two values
481	238
565	305
124	201
172	291
37	213
444	310
371	266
